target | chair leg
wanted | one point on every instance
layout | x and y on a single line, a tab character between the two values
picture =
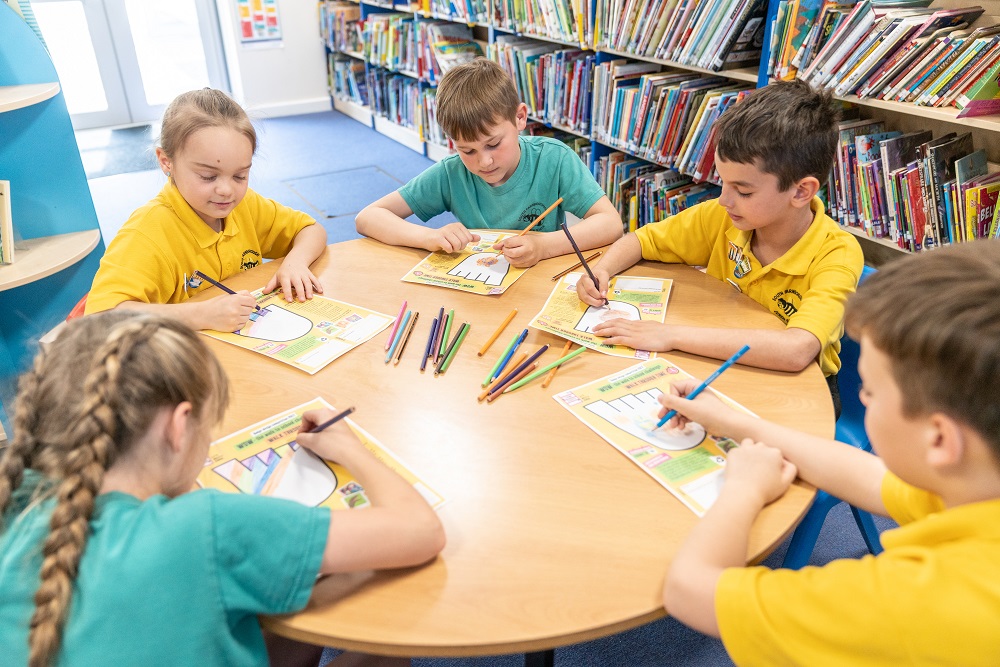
868	530
804	538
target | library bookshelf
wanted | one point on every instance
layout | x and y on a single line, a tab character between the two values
905	117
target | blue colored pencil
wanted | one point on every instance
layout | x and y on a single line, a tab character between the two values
436	348
399	336
430	341
219	285
527	362
709	380
510	354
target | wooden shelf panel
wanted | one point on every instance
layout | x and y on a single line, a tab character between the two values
17	97
404	135
436	152
39	258
942	114
358	112
746	74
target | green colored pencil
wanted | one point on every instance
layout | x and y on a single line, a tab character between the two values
447	330
457	343
501	358
542	371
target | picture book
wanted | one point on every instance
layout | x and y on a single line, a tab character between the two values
265	460
941	160
478	268
967	169
305	334
983	99
623	409
629	297
896	154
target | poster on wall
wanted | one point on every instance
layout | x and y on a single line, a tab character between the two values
259	21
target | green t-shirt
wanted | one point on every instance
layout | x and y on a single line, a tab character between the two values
548	169
165	581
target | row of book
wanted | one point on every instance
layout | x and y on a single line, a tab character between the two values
397	98
565	20
580	145
554	83
467	11
898	51
347	79
917	190
712	34
338	26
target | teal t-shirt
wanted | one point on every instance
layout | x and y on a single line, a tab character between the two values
165	581
548	169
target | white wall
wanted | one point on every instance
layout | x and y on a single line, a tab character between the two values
283	78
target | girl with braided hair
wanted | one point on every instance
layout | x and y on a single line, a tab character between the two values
105	558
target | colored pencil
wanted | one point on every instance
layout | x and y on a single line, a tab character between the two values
517	369
552	373
576	266
435	349
503	363
395	326
406	337
395	342
539	218
493	372
499	389
583	261
447	332
554	365
711	378
453	348
430	341
331	421
220	286
495	381
493	338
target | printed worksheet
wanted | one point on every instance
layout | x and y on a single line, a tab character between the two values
307	335
477	268
629	297
265	460
622	408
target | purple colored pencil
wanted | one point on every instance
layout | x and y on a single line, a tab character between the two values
527	362
430	341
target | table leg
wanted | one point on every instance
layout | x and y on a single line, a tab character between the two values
540	659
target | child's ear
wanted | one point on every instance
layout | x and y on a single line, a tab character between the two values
179	425
166	164
804	191
522	116
948	446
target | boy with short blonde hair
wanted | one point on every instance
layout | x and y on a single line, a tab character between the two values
929	327
767	235
498	180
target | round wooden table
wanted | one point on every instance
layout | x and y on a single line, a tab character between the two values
554	537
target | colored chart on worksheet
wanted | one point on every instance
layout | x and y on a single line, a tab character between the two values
623	409
265	460
308	334
629	297
478	268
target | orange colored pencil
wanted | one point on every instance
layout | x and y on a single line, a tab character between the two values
576	266
552	373
539	218
493	338
492	397
498	379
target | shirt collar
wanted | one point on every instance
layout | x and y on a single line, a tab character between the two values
796	261
206	237
972	521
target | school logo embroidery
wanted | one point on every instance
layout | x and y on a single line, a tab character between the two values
787	303
529	214
251	258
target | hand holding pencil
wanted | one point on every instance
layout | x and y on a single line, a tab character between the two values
522	250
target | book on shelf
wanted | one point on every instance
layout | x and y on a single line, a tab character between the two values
941	170
896	153
983	98
967	169
6	225
445	45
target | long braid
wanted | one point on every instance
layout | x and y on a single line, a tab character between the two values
91	442
19	452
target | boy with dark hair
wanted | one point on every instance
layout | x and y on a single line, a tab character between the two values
767	235
929	328
497	180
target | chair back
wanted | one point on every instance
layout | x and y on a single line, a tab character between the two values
851	424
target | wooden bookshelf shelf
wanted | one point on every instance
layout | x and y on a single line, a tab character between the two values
358	112
18	97
745	74
35	259
942	114
404	135
437	152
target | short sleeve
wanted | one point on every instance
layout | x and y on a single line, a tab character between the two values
428	194
577	186
905	503
277	225
685	238
132	269
268	551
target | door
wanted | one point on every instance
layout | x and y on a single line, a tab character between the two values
121	61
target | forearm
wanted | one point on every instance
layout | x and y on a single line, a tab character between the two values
788	350
193	314
718	541
624	253
385	226
308	245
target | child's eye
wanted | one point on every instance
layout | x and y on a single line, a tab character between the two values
743	194
240	178
493	145
206	178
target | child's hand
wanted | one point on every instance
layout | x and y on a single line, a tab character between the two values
521	251
450	238
229	312
638	334
758	472
590	295
331	442
705	408
294	279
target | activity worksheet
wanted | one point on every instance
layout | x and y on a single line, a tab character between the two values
264	460
307	335
623	409
629	297
477	268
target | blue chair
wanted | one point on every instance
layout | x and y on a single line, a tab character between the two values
850	429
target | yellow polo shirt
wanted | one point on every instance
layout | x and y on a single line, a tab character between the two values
805	288
152	259
931	598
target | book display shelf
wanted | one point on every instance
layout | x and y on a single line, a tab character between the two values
57	238
598	69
